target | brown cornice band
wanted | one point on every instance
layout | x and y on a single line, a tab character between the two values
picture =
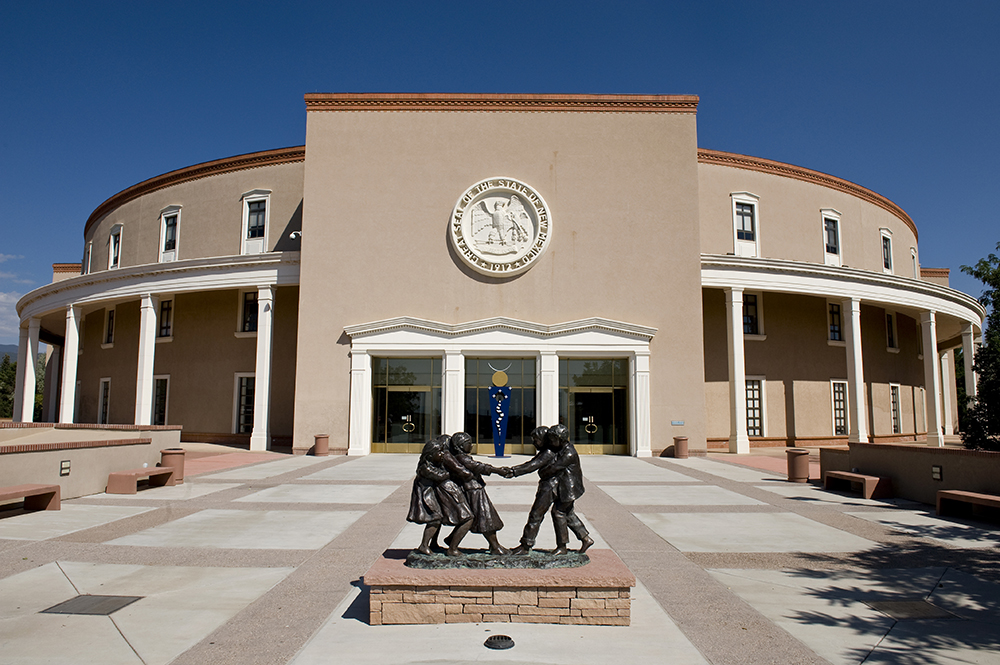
806	175
345	101
66	267
226	165
935	272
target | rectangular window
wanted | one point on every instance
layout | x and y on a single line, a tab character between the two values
755	420
913	261
832	236
886	253
166	321
833	315
248	321
244	403
839	408
894	408
745	222
161	385
109	327
256	204
256	213
170	233
87	251
890	331
104	402
115	247
751	318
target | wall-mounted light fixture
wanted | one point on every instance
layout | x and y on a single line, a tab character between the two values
936	473
64	467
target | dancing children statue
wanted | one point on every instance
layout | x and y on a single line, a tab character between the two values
436	499
485	520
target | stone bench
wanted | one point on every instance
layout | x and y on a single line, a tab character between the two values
36	497
127	482
946	500
872	487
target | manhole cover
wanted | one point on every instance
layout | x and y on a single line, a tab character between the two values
92	605
498	642
903	610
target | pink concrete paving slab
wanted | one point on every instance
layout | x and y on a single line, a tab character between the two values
604	570
196	465
764	463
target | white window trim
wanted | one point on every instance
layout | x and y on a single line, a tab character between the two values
899	407
763	402
100	399
761	331
116	230
895	331
88	252
172	255
166	297
914	263
843	336
920	340
847	408
828	258
885	233
746	247
236	397
104	333
166	402
240	333
247	198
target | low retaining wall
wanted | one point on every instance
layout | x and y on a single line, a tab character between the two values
598	593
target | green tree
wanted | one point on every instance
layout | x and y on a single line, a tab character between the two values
39	386
982	427
8	377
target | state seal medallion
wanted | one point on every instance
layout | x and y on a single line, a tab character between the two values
500	226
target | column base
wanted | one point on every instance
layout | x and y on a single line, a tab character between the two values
260	442
935	440
739	445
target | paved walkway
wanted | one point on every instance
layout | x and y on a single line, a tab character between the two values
260	562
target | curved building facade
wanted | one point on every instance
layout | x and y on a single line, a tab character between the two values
420	252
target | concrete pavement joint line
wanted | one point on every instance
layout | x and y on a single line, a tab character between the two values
67	578
118	628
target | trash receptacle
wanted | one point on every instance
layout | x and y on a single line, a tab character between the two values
680	447
174	457
798	465
322	445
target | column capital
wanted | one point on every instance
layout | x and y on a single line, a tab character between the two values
928	316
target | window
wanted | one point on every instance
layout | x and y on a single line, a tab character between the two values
166	319
248	318
255	215
891	337
913	261
831	236
243	404
755	407
88	249
170	221
753	319
161	385
886	251
115	246
109	327
836	330
839	391
104	401
746	224
894	408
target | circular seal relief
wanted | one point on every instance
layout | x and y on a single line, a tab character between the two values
500	226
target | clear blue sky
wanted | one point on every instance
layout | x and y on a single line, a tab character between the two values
899	96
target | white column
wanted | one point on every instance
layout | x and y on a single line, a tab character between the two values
29	368
739	442
71	352
855	371
642	446
968	354
946	384
453	418
932	379
360	436
260	438
548	389
22	353
52	384
144	366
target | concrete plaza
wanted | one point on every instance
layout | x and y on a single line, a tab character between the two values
258	558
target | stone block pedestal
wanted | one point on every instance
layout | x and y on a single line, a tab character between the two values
598	593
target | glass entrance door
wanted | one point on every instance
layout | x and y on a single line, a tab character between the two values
406	403
594	404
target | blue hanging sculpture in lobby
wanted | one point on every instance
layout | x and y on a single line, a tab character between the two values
499	410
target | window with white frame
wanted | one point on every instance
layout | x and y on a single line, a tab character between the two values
753	315
894	408
161	399
170	226
165	319
248	312
886	250
746	224
88	249
115	246
891	332
755	406
913	262
243	397
109	328
831	236
104	401
834	322
256	208
838	393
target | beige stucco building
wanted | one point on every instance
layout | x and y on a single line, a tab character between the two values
371	284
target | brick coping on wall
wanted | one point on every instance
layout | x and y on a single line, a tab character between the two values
112	428
930	449
9	448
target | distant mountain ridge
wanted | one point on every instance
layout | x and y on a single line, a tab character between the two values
9	349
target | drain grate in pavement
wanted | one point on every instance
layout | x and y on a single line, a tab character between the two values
92	605
908	610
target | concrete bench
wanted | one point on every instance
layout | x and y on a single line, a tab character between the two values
126	482
946	500
36	497
872	487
